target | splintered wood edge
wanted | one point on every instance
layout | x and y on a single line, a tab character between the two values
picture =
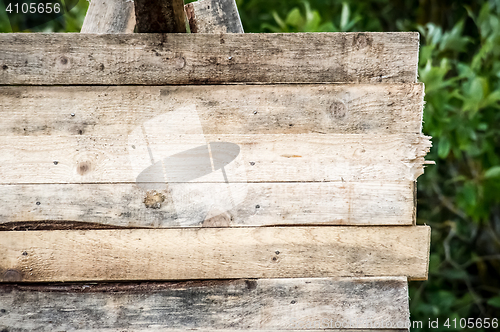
137	59
214	253
209	305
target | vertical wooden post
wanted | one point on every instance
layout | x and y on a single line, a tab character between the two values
214	16
109	16
165	16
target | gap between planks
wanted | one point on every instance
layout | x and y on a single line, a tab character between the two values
209	253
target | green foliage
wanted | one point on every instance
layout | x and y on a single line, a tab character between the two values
69	22
460	196
310	21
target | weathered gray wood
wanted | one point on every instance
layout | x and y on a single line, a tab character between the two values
249	305
214	253
165	16
209	204
229	109
257	158
109	16
214	16
66	59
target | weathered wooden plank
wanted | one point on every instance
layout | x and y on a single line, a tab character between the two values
214	253
214	16
227	159
228	109
249	305
158	59
209	204
165	16
109	16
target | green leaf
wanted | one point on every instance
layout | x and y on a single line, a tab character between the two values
344	16
444	147
294	18
280	22
494	301
493	172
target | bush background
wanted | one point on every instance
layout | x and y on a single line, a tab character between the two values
459	197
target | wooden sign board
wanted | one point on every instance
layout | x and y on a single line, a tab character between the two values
265	171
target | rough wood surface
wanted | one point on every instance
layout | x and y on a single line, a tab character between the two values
228	109
158	59
214	253
214	16
250	305
256	158
109	16
208	204
164	16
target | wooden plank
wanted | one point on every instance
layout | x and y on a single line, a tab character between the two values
186	158
248	305
165	16
158	59
229	109
109	16
214	16
214	253
207	204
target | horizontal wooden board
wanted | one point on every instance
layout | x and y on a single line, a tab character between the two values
214	253
228	109
209	204
225	305
158	59
172	158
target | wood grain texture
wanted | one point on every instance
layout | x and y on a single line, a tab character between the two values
209	204
214	253
248	305
160	16
257	158
228	109
214	16
109	16
158	59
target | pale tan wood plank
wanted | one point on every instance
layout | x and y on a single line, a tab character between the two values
214	253
209	204
165	16
229	109
109	16
186	158
157	59
214	16
247	305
